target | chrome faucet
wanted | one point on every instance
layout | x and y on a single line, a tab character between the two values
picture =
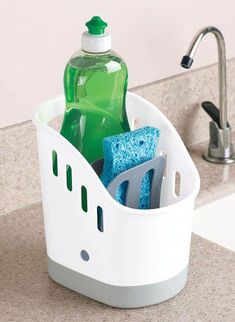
220	148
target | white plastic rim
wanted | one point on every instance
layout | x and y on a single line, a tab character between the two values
136	247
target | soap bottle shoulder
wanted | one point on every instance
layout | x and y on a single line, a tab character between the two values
84	60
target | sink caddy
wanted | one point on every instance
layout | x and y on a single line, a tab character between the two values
117	255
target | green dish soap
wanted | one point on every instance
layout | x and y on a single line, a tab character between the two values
95	84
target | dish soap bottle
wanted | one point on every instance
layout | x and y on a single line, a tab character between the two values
95	84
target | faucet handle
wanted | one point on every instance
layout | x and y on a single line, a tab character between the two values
220	149
213	112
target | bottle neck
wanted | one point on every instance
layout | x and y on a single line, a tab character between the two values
95	43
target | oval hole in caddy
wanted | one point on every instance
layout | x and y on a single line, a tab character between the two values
69	177
100	219
84	198
54	160
136	123
177	183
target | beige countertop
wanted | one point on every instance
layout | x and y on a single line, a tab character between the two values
217	180
28	294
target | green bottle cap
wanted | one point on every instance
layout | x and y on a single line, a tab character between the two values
96	26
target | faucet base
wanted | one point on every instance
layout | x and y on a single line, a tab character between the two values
208	158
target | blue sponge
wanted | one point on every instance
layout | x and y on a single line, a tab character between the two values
125	151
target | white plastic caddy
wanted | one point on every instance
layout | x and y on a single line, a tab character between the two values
117	255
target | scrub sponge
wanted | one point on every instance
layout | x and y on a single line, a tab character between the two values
125	151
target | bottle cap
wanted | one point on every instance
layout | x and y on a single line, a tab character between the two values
96	40
96	26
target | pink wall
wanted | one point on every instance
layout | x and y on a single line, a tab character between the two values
37	38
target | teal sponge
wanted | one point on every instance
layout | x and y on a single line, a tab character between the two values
125	151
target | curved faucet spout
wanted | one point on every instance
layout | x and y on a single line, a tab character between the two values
188	60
